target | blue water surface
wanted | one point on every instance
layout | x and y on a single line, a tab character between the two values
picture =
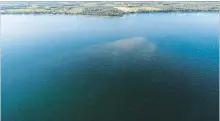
139	67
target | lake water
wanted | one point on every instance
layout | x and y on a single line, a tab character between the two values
139	67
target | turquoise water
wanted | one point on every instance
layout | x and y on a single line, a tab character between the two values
139	67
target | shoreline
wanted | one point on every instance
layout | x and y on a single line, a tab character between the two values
106	9
121	15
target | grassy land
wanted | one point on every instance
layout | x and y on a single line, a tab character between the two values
103	8
26	10
75	10
138	9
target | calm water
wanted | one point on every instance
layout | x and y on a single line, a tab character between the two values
144	67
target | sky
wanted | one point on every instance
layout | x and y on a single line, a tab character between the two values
109	0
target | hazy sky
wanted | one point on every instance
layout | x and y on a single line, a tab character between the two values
109	0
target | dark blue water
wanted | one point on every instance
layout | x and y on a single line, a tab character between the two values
139	67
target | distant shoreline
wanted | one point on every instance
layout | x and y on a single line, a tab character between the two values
210	11
110	9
